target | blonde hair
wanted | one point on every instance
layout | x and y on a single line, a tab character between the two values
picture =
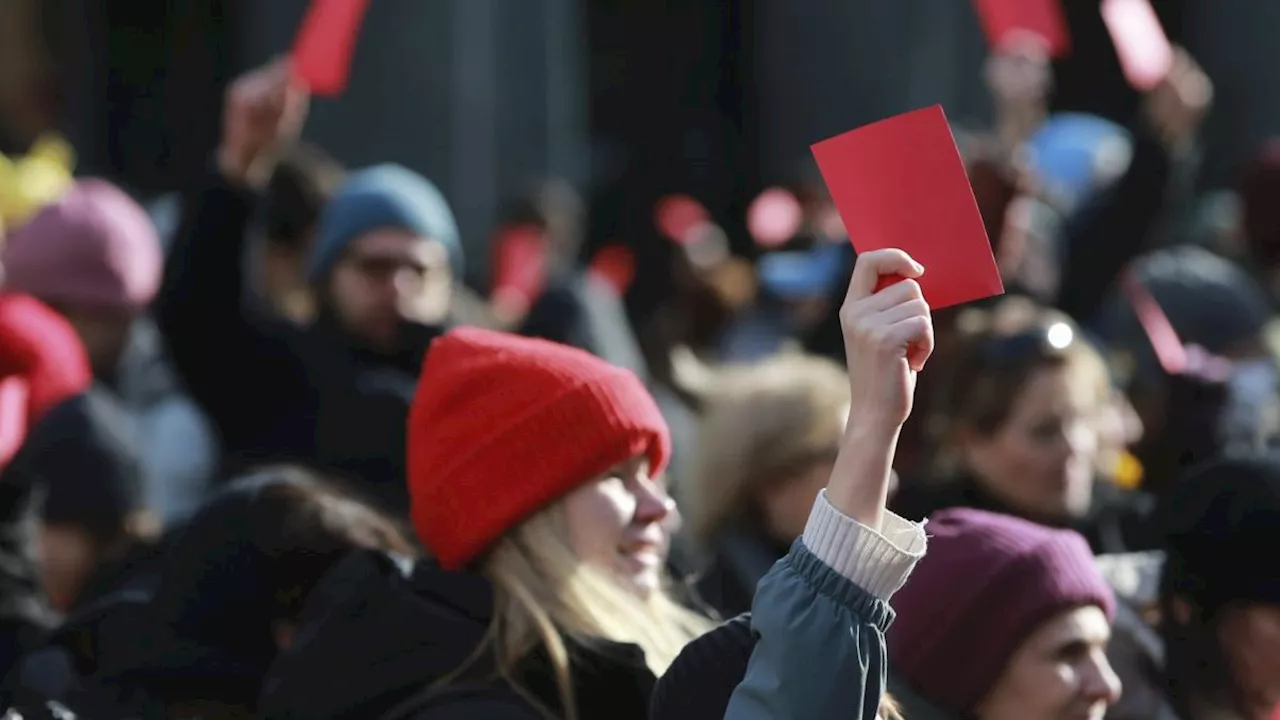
762	423
545	594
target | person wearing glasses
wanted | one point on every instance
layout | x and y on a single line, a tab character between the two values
1019	430
332	393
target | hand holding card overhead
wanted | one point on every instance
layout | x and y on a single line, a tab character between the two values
888	337
263	110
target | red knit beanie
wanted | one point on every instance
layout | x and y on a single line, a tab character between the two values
986	584
502	426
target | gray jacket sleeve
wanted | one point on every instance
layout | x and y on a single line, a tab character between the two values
821	615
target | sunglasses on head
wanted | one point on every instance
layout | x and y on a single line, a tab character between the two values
1047	340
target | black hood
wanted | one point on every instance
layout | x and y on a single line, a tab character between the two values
374	631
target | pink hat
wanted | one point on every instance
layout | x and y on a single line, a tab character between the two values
94	247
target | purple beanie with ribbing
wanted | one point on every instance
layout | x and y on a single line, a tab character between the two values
986	584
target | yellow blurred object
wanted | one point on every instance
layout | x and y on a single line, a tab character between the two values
1127	472
30	182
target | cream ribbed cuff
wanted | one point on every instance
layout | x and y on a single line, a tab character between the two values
878	562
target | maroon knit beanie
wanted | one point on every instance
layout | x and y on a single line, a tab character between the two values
502	426
986	584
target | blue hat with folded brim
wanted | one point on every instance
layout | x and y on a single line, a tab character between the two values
379	197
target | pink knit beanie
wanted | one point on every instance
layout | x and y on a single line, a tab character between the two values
94	247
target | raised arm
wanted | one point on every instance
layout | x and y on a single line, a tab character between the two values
822	611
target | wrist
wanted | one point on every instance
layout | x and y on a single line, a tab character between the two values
232	167
859	484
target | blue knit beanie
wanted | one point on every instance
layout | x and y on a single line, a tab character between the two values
383	196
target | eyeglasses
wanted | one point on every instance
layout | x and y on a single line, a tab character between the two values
384	267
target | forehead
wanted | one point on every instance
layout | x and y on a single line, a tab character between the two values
1082	624
395	242
1056	389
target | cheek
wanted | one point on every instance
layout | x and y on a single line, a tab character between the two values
596	520
1032	690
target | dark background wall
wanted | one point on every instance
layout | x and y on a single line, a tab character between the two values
631	98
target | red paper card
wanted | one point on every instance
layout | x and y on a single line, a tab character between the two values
900	183
615	264
520	263
1004	21
326	43
1144	51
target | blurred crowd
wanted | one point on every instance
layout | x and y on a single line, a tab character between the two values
264	453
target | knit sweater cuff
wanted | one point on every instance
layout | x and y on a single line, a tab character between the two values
878	562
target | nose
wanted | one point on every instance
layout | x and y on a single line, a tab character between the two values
1101	681
653	504
1081	438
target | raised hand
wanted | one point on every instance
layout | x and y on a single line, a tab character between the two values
263	110
888	337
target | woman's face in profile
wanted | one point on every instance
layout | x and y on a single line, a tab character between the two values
1042	459
1060	672
620	523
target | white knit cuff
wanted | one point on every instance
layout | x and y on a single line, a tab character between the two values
878	562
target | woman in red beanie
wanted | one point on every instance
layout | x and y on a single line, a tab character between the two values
535	472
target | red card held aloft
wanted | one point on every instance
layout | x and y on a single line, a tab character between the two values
326	43
1009	21
1146	57
900	183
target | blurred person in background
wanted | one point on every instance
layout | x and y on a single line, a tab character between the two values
334	392
42	365
1003	620
1019	430
1258	190
1220	589
1217	309
192	633
769	435
94	256
95	523
305	179
561	302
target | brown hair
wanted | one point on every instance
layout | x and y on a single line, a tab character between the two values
999	349
762	424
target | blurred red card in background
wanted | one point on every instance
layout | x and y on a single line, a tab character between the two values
1146	57
1006	21
519	264
326	43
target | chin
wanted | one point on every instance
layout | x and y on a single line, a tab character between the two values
643	585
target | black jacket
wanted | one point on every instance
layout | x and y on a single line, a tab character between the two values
277	391
378	632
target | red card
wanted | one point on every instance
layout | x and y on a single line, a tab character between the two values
520	264
326	43
900	183
678	216
1144	51
1005	21
615	264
